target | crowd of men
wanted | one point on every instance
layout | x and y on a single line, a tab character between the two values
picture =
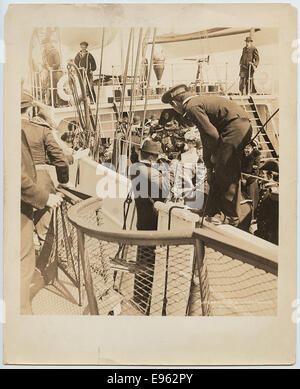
205	157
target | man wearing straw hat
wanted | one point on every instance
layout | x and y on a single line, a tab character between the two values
248	63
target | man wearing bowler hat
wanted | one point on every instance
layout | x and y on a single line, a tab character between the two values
85	60
224	130
248	63
149	185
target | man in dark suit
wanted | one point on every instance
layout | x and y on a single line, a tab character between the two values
248	63
224	129
149	185
85	60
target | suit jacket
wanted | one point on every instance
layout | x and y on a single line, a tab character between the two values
33	195
43	146
248	55
149	185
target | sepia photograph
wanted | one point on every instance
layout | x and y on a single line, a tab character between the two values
149	167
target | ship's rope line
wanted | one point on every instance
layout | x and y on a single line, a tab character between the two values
148	83
133	96
125	74
96	151
77	102
210	53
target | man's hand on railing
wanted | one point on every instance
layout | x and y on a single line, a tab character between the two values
54	200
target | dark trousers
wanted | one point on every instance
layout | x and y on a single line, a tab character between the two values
244	85
143	279
225	191
251	189
145	259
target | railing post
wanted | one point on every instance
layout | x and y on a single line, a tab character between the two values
55	232
79	277
40	97
51	88
87	274
34	85
199	257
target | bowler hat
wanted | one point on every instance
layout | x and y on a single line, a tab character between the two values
176	90
248	39
151	147
84	44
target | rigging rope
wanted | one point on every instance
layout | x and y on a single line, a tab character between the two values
148	83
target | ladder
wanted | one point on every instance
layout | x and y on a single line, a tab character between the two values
267	146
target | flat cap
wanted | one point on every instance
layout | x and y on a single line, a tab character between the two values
176	90
84	44
248	39
151	147
26	100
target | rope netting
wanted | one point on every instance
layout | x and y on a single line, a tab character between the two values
145	276
142	279
231	287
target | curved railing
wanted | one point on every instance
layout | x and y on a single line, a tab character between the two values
202	271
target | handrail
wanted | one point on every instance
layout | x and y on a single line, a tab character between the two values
263	258
257	252
121	236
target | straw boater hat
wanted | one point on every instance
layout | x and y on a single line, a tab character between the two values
248	39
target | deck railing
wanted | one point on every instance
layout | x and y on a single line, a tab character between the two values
201	272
